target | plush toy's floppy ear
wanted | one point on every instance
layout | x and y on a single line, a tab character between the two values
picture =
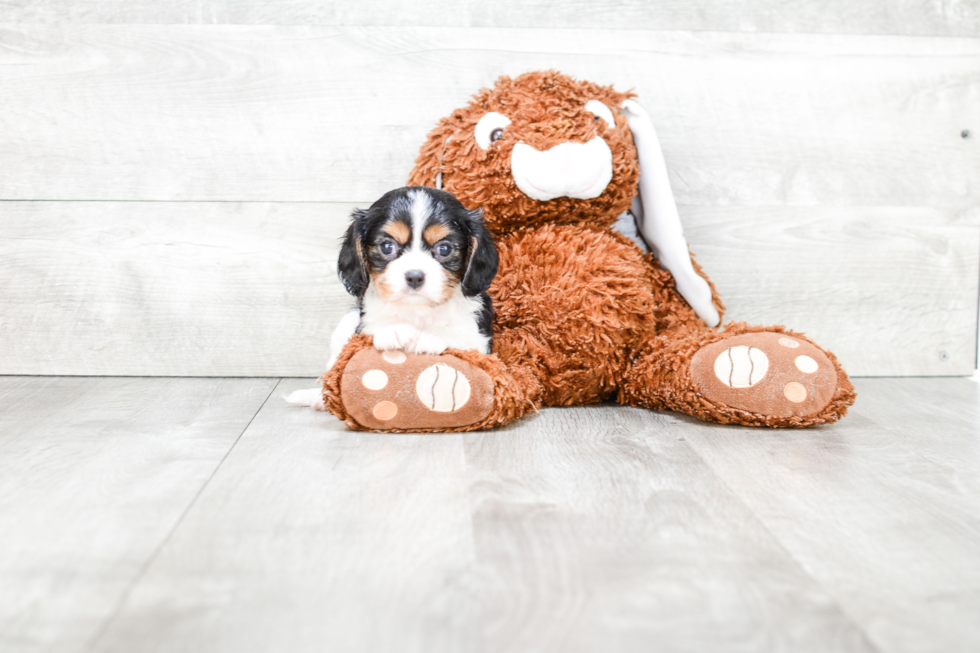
657	217
482	261
351	265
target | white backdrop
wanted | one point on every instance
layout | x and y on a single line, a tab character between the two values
175	174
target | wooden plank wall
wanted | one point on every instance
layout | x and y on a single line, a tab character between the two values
174	175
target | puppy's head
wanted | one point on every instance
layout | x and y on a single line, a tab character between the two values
417	245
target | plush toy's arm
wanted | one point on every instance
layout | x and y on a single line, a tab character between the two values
657	217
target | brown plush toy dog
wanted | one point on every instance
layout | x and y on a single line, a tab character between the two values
582	314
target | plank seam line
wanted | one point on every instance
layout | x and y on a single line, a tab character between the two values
789	554
124	597
397	26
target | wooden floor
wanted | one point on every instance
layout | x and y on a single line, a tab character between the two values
155	514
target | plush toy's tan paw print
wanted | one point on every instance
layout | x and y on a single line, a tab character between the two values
394	390
765	373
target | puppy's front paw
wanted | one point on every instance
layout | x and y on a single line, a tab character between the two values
429	344
396	336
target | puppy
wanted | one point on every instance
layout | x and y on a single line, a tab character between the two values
419	264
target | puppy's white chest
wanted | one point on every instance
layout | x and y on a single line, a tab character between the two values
452	323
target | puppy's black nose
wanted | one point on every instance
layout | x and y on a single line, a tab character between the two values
415	279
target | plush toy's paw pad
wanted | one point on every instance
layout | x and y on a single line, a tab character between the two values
765	373
394	390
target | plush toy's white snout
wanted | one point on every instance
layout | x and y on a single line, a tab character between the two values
578	170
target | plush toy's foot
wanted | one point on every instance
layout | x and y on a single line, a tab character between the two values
746	375
765	373
395	391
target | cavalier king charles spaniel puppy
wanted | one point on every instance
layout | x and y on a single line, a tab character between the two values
419	264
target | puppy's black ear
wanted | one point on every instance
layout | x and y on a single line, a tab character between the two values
482	260
351	264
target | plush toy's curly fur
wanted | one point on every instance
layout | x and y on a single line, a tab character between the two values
545	109
582	314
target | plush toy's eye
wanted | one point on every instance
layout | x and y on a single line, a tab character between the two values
490	128
600	110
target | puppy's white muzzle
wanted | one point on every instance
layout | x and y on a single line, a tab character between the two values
578	170
410	264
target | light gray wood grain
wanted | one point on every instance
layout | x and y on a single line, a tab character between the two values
575	529
892	291
218	289
312	538
833	16
239	289
882	509
600	529
580	535
94	474
338	113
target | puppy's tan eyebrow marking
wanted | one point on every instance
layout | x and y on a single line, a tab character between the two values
399	231
435	232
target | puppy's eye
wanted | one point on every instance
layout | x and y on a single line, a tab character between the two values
490	128
443	250
387	248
